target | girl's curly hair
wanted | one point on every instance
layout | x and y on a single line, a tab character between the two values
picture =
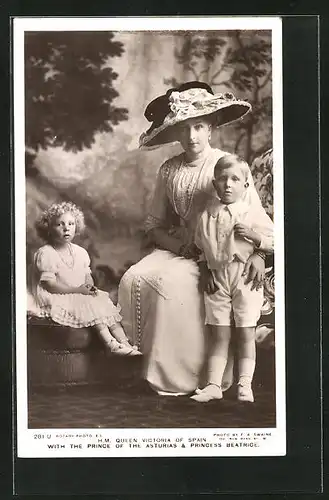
55	210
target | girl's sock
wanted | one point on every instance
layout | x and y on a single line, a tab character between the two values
116	347
106	335
119	334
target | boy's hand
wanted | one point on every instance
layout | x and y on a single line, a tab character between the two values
207	283
245	232
254	271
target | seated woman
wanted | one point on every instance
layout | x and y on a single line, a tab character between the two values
162	307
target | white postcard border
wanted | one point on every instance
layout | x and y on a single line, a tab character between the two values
146	442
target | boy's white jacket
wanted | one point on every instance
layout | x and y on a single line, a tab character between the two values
215	232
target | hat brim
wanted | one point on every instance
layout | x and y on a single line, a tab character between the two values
167	133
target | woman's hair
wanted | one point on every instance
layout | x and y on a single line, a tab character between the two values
55	210
229	161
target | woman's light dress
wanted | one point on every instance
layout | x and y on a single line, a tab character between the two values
73	309
162	308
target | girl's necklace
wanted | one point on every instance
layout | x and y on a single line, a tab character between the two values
69	264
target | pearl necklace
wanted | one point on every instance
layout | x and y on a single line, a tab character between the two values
70	265
192	175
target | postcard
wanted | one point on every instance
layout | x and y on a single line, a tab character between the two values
149	213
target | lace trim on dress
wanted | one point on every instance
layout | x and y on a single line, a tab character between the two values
156	282
184	181
64	317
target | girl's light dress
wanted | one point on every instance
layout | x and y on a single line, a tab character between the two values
74	309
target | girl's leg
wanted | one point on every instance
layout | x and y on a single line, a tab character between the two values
221	337
114	346
119	334
105	334
247	361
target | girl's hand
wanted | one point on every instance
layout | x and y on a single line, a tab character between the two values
245	232
206	282
255	271
92	288
85	290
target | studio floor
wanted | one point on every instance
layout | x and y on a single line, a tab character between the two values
129	403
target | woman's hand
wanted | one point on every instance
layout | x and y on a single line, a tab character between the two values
255	271
246	232
206	282
190	251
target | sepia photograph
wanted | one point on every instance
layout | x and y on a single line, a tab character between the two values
150	312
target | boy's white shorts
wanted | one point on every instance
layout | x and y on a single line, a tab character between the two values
234	299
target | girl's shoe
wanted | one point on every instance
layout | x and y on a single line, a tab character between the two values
134	348
245	391
210	392
123	349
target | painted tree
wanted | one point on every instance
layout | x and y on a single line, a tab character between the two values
237	61
69	90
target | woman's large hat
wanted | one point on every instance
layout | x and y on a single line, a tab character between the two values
190	100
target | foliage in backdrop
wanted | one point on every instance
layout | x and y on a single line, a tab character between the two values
69	89
79	130
240	63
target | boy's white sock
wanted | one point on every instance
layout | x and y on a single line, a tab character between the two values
216	368
246	369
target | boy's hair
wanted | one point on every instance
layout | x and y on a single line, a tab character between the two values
230	160
55	210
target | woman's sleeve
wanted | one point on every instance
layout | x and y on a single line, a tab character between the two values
263	225
157	215
45	265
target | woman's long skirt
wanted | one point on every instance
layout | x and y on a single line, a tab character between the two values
163	313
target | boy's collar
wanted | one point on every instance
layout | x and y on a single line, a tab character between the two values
233	208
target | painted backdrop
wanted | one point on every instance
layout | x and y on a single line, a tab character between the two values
85	98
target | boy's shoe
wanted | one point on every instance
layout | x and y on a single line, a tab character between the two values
245	391
211	391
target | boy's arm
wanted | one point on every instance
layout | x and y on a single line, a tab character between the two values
259	230
266	243
263	226
263	240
